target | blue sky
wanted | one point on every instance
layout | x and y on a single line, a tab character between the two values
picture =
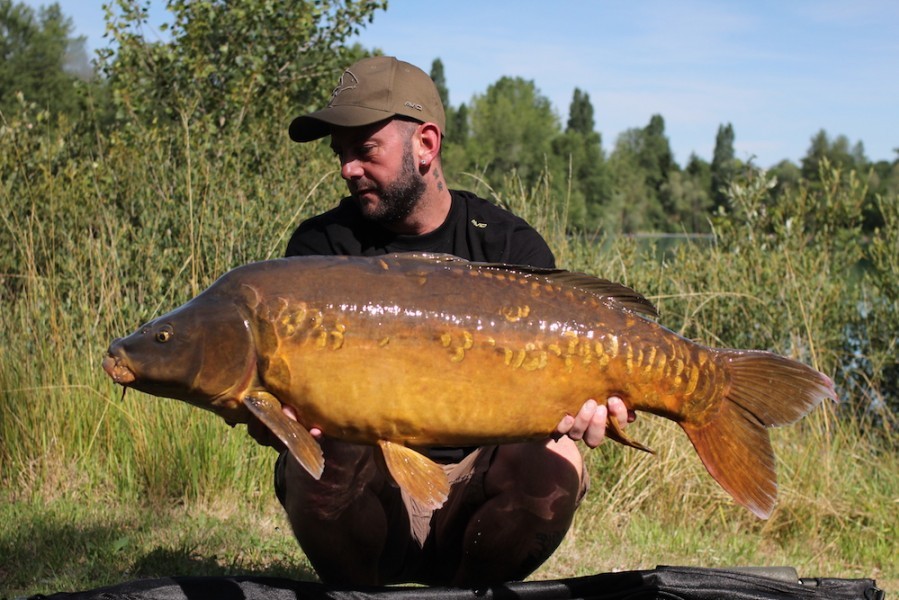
778	71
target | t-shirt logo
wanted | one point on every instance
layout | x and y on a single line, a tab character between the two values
477	224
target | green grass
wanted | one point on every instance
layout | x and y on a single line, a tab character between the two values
97	237
75	532
85	542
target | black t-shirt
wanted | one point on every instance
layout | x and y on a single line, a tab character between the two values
474	229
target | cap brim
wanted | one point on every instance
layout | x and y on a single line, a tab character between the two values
318	124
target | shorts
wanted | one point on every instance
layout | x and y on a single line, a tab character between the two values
424	544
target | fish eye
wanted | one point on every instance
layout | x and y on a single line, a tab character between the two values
164	334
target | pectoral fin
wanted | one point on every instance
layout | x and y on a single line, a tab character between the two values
299	441
418	476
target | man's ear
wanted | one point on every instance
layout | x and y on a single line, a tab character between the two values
429	138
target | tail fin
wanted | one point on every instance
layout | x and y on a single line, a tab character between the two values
766	390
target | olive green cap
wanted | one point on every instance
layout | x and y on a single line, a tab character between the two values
372	90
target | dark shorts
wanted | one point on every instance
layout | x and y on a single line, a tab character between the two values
424	544
466	479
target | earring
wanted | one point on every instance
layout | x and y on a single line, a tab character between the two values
423	162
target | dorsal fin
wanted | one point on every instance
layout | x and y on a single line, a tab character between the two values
620	296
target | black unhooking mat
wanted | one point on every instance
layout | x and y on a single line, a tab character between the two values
669	583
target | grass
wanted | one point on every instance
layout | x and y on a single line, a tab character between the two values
96	238
642	511
78	543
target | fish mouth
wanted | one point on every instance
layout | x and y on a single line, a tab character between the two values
119	373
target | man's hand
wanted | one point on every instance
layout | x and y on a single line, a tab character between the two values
590	422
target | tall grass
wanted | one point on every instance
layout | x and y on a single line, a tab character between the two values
99	234
96	241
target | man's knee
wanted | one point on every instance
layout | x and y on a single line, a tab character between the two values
350	473
533	490
541	471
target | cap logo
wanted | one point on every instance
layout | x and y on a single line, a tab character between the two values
348	81
414	106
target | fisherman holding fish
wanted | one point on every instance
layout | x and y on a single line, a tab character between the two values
430	404
509	506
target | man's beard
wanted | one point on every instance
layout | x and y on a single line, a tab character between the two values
398	198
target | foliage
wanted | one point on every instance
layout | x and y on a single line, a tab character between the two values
246	67
580	114
637	187
511	130
439	77
588	171
836	152
848	305
724	164
231	63
634	206
654	152
42	62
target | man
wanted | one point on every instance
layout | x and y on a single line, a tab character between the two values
509	506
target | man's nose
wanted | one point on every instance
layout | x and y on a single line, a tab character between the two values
350	169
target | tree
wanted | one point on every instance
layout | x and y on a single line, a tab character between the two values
837	152
571	149
460	123
634	206
580	113
512	127
455	145
887	177
787	175
641	165
723	164
580	150
40	58
697	203
654	153
232	61
687	203
439	78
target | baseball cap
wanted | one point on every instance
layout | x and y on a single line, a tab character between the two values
371	90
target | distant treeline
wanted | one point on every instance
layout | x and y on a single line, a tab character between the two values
246	71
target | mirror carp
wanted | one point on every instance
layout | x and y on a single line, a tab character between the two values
422	350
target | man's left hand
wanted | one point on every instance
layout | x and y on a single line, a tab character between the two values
590	422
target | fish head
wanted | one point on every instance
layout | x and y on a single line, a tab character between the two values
201	353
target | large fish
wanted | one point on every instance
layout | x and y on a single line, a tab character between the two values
428	350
